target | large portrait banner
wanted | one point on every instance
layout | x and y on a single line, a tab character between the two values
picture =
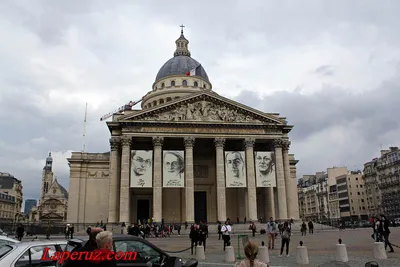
265	169
235	169
141	168
173	168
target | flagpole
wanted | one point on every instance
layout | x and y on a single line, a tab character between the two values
84	131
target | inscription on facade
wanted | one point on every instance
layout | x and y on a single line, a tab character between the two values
201	130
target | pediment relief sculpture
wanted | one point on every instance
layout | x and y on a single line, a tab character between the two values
203	111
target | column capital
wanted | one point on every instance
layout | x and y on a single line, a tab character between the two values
189	141
277	143
219	142
115	143
158	141
285	144
126	141
249	142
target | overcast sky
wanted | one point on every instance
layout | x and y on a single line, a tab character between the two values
330	67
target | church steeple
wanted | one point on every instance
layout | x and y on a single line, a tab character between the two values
182	45
49	163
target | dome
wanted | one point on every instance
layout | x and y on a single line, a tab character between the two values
179	65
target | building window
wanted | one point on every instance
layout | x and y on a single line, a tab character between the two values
161	101
154	103
162	85
204	86
196	84
358	193
169	99
184	83
173	83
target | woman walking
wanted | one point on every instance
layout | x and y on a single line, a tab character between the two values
285	238
251	251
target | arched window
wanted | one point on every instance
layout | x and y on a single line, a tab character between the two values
204	86
161	101
173	83
169	99
176	97
162	85
196	84
154	103
184	83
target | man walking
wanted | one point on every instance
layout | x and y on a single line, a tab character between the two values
385	223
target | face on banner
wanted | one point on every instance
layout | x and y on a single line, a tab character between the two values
235	169
173	169
141	168
265	169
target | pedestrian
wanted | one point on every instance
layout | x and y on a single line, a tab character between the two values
386	232
251	251
71	232
203	233
271	230
253	228
219	230
310	227
226	233
20	232
89	246
194	236
105	252
286	233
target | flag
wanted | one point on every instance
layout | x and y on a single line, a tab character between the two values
192	72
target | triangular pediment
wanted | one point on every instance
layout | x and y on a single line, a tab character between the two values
203	107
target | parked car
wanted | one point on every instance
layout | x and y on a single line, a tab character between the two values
29	254
2	233
148	255
4	240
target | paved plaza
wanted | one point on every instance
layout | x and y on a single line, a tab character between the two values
321	248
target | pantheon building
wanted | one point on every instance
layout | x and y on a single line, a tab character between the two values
189	154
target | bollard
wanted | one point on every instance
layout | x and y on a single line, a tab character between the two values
200	255
229	254
302	254
379	251
263	253
341	252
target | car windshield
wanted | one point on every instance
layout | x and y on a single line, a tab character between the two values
4	250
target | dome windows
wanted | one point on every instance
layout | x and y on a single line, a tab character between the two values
196	84
162	85
172	83
184	83
161	101
169	99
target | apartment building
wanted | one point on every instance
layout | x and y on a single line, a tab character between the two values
11	188
381	176
351	196
313	197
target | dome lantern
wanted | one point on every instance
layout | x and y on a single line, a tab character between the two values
182	45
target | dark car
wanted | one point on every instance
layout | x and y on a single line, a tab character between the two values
147	253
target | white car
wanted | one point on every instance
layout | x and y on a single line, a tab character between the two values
4	240
2	233
30	253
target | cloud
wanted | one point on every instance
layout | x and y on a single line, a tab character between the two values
332	70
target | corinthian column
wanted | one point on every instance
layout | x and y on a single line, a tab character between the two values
251	179
124	198
157	178
189	183
113	198
280	177
220	173
286	166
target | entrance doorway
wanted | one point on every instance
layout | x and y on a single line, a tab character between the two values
143	209
200	206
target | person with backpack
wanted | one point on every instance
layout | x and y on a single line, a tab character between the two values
286	233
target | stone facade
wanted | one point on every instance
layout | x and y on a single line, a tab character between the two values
204	125
382	181
11	198
53	201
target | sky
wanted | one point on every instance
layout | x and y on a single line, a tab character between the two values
332	68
